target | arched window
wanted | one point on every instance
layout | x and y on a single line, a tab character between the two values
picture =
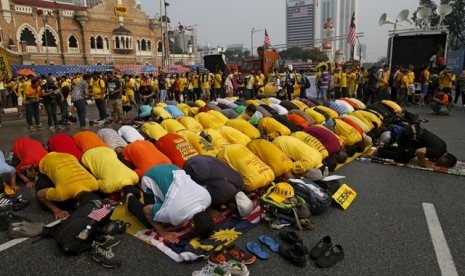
127	42
107	43
143	45
149	46
28	36
116	42
72	42
159	47
121	40
48	39
138	45
92	43
99	42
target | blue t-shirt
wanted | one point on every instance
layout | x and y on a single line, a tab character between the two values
174	111
4	167
145	110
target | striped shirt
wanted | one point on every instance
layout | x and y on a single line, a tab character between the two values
80	90
337	107
111	138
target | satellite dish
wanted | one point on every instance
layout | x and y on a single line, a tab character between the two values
424	14
443	10
385	20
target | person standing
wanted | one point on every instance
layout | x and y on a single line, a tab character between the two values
130	90
162	86
78	97
33	93
205	85
424	81
460	88
65	90
446	81
114	98
50	97
98	92
217	81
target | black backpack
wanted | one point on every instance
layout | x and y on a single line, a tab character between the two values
68	232
316	198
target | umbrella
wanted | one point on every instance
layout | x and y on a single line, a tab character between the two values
25	72
149	68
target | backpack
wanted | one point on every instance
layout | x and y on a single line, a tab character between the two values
316	198
69	231
307	82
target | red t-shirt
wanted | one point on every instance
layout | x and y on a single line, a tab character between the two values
176	148
144	155
326	137
29	152
64	143
86	140
297	120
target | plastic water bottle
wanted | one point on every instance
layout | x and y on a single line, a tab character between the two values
84	234
364	159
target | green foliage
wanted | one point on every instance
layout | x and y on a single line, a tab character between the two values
299	53
236	56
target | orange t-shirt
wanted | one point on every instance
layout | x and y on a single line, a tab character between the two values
353	124
176	148
86	140
297	120
144	155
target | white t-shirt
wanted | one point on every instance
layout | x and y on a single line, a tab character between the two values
184	199
280	109
130	134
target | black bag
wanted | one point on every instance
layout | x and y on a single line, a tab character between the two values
316	198
67	235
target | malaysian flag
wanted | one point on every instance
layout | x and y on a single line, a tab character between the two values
101	213
266	40
352	36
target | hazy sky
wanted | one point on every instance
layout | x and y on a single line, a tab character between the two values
222	22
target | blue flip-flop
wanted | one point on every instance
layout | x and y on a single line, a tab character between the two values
270	242
257	250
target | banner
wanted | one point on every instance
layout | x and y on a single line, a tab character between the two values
5	69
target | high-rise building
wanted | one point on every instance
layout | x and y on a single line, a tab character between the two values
300	22
340	11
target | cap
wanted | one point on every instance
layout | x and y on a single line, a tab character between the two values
314	174
282	191
244	204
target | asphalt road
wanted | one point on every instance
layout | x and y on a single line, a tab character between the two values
384	232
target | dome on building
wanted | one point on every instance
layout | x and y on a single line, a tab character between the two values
121	31
327	45
329	23
339	52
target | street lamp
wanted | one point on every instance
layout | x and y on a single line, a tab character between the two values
251	39
166	38
44	20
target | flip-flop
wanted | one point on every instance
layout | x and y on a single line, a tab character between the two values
256	249
270	242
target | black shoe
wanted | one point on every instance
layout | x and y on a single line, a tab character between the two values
331	256
105	256
291	236
296	253
8	217
19	203
323	245
114	227
107	241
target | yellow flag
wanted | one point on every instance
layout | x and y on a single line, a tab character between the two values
344	196
5	69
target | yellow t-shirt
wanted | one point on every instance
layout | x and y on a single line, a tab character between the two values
159	111
112	175
218	115
271	155
251	101
304	156
317	117
207	120
173	126
445	81
349	134
217	139
234	136
366	122
200	103
255	172
244	127
393	105
312	142
200	144
356	120
68	175
130	87
184	108
98	88
351	77
331	113
300	104
182	83
273	128
370	117
337	79
191	124
343	79
154	130
217	81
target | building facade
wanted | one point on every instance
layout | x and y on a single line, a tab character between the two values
300	22
340	12
79	32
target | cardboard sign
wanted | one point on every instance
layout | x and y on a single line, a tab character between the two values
344	196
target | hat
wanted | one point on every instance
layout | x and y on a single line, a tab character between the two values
244	204
203	224
282	191
314	174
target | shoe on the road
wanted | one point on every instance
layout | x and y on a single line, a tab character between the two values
5	203
211	270
296	253
52	129
31	128
25	229
291	236
8	217
105	257
107	241
235	268
331	256
20	203
321	247
39	126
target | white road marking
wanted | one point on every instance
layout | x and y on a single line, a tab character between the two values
14	242
445	260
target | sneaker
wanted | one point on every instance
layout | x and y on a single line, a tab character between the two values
5	203
235	268
39	126
58	127
8	217
296	253
321	247
211	270
107	241
31	128
331	256
217	258
235	253
104	256
19	203
52	129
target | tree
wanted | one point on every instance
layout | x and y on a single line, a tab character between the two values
298	53
236	55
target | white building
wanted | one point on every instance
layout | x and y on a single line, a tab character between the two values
340	11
